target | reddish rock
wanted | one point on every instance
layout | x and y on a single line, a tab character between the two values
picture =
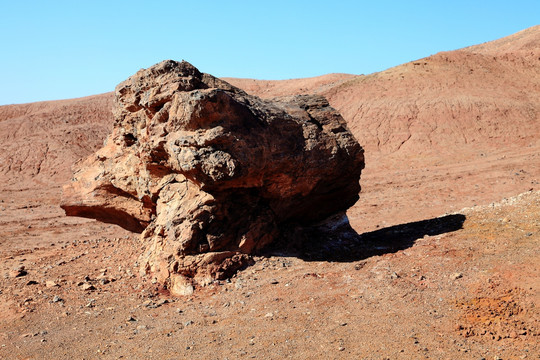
209	173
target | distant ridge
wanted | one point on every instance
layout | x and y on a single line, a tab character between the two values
527	40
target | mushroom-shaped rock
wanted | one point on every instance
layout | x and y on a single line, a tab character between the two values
209	174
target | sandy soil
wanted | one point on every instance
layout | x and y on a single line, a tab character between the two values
464	285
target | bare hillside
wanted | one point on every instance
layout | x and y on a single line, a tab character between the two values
40	141
434	269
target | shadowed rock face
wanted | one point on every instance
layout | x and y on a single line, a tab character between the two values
209	173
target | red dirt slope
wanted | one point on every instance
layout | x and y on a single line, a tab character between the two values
40	141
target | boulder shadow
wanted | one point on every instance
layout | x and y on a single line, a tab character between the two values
337	241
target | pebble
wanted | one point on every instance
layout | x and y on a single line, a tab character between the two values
151	305
18	271
88	287
50	284
56	299
456	276
239	284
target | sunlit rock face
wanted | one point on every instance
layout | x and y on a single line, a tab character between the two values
209	174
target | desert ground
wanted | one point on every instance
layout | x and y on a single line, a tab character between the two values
444	262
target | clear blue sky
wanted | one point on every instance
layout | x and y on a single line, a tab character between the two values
63	49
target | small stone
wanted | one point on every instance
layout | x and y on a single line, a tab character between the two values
162	302
274	282
88	287
131	319
394	275
50	284
18	271
456	276
31	282
269	315
341	348
180	285
187	323
56	299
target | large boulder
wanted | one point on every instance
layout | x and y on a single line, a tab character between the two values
210	174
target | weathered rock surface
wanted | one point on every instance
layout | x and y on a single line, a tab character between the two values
209	173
